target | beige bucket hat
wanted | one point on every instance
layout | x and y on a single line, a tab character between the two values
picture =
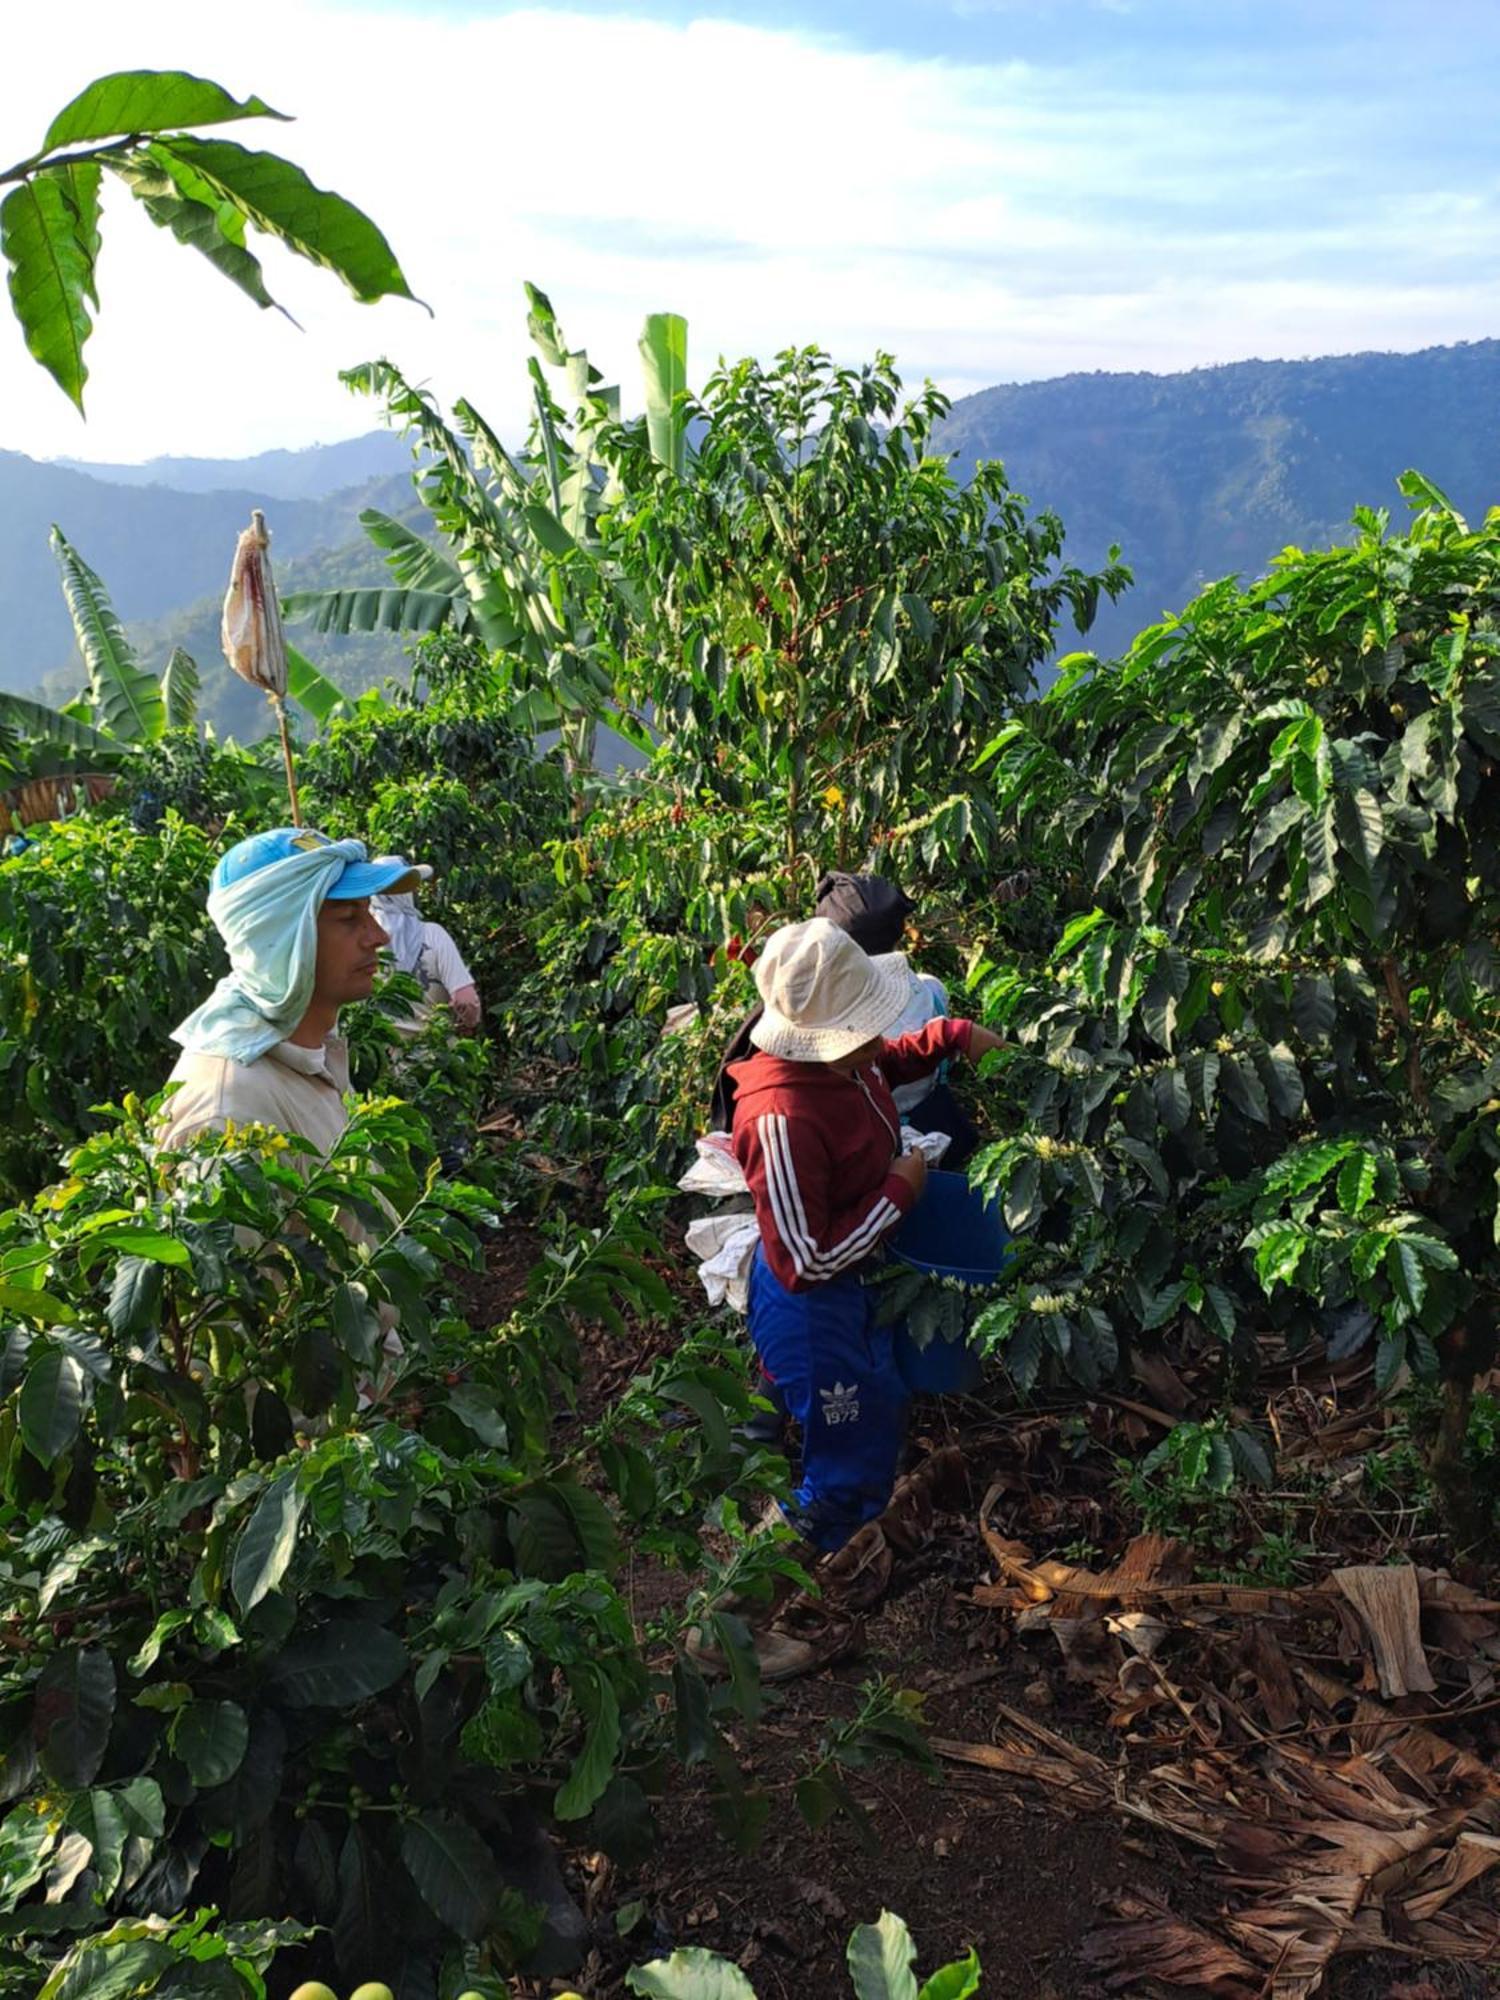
824	997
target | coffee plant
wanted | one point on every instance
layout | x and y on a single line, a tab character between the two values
1253	1084
300	1618
105	946
881	1959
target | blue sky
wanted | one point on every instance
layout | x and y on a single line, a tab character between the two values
994	189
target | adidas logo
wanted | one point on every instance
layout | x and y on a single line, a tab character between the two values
840	1403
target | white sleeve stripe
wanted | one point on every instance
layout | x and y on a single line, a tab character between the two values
811	1259
796	1247
783	1141
862	1240
791	1217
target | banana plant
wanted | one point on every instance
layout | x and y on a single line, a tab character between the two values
48	762
50	759
429	592
520	554
133	704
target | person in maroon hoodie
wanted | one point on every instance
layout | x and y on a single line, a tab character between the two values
818	1138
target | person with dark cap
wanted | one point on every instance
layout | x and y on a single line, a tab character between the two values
818	1139
874	912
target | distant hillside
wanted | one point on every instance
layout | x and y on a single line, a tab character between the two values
231	705
311	474
156	549
1194	475
1201	474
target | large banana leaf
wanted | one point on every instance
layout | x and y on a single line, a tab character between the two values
664	362
376	609
433	593
179	688
410	559
569	460
512	488
34	722
312	688
125	694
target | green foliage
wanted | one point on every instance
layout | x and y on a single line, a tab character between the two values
49	762
815	678
1205	1460
23	720
49	238
105	946
172	1956
205	191
188	773
1255	1054
887	1723
446	1076
443	775
817	612
881	1960
180	682
127	699
519	542
664	363
298	1622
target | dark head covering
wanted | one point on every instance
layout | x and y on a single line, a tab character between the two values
872	910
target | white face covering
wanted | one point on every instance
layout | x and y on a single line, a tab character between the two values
397	917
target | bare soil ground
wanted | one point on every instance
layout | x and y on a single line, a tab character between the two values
971	1859
976	1857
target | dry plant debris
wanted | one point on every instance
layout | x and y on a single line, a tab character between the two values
1289	1736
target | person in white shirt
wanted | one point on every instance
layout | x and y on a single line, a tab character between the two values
429	954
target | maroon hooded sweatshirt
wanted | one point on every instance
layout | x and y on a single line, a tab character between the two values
817	1147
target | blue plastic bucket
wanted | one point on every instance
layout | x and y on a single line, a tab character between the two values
954	1233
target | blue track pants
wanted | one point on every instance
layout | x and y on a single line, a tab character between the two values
836	1373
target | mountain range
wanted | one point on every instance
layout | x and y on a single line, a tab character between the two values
1215	471
1193	475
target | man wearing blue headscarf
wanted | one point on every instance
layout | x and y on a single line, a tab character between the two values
293	909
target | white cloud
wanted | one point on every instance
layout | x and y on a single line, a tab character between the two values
987	222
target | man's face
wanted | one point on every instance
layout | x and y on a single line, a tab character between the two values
349	945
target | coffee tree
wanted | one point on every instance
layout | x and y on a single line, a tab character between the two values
304	1625
1259	1067
816	613
442	771
104	946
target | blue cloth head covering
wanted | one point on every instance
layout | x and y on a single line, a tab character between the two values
264	901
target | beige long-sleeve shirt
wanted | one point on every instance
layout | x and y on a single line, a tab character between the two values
292	1089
